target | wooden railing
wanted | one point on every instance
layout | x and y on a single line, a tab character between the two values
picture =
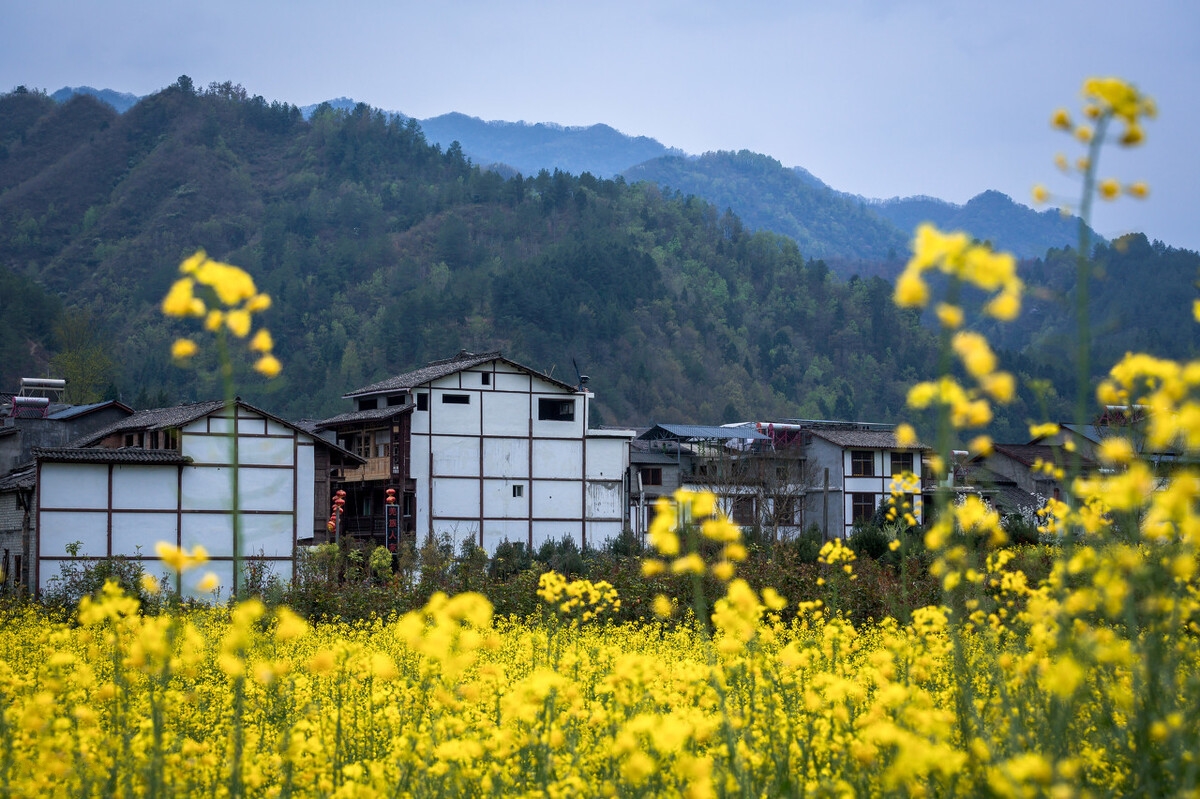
375	469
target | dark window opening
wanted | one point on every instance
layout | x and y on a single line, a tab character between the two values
518	491
422	402
862	463
395	399
368	404
486	378
743	511
902	462
555	410
862	508
652	476
456	399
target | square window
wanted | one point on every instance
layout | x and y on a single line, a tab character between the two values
652	476
862	508
556	410
518	491
902	462
862	463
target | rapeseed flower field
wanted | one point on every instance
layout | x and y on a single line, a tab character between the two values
1082	682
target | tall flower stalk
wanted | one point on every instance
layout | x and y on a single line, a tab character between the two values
225	297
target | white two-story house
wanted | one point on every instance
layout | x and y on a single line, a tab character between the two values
479	447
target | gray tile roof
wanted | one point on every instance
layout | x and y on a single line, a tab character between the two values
1027	454
154	419
864	439
375	415
464	360
105	455
24	476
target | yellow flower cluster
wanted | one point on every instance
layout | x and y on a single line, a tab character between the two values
1105	100
974	264
582	597
691	512
227	299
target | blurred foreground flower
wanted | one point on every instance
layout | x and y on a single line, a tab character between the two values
226	298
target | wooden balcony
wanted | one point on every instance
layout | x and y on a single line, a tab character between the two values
375	469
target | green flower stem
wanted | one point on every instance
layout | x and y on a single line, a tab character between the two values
226	366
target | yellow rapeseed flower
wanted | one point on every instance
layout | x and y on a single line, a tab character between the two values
1109	189
183	348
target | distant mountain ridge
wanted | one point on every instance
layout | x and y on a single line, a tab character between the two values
118	101
989	216
843	228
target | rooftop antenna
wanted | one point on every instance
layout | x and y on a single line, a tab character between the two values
583	379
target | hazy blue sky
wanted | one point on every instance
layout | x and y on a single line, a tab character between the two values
877	97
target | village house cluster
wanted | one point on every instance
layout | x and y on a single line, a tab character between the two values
476	447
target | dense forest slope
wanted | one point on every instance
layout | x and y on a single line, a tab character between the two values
383	252
768	196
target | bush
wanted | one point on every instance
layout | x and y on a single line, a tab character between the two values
870	540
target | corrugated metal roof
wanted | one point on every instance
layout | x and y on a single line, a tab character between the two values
72	411
698	432
449	366
105	455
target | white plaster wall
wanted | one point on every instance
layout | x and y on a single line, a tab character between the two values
271	451
205	449
604	501
508	379
506	414
267	534
265	489
455	497
74	485
560	500
138	533
498	499
251	423
599	532
145	487
497	532
506	457
456	455
607	458
419	465
274	428
60	528
453	418
212	530
206	488
555	458
307	496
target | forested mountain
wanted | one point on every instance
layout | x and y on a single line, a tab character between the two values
383	252
853	234
1140	300
768	196
990	216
